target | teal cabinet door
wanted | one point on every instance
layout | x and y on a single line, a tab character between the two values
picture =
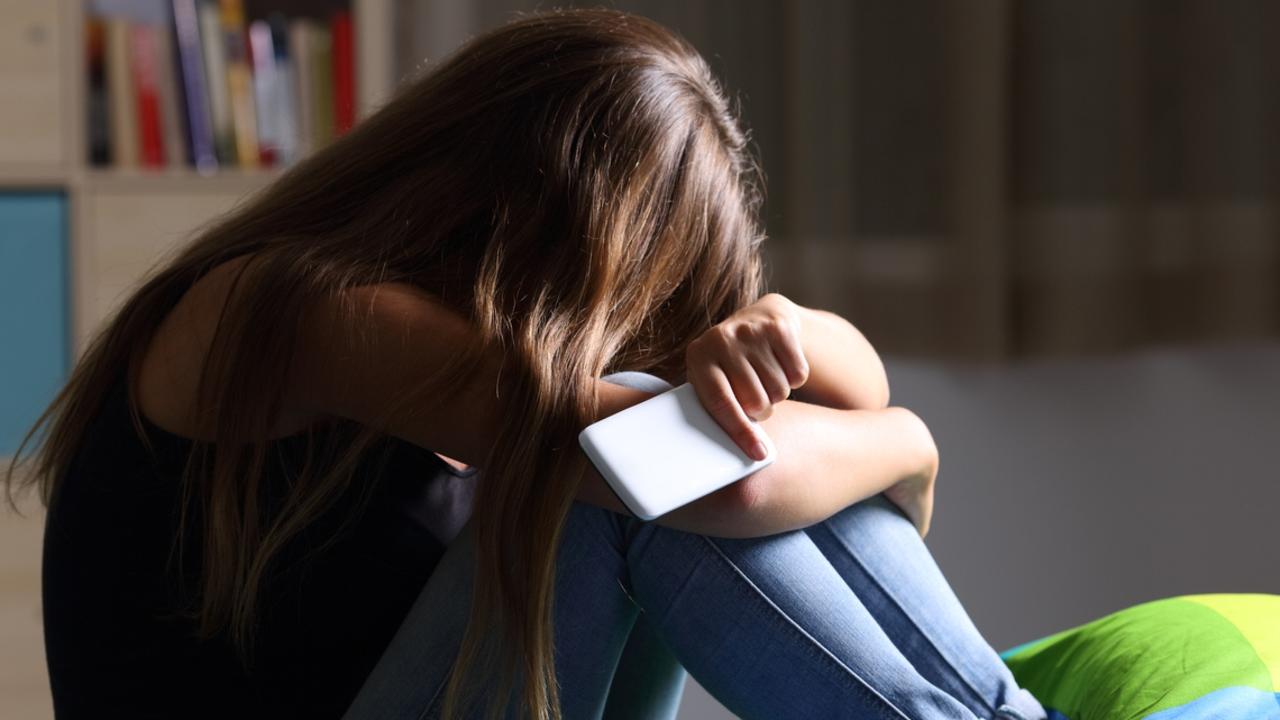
34	336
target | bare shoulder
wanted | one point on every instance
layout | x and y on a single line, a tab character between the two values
374	354
399	302
174	359
357	355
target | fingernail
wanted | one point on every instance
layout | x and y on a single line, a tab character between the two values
759	451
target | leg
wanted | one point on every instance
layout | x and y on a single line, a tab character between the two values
771	629
644	627
649	680
883	560
878	552
593	618
410	676
594	615
767	625
594	622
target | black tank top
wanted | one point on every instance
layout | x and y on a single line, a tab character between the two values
115	645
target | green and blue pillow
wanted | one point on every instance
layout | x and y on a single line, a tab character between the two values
1184	658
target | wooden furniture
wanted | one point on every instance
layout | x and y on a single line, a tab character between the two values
73	241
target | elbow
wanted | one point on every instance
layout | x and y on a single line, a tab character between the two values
746	498
758	505
923	447
740	510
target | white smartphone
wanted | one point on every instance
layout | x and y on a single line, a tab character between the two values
666	452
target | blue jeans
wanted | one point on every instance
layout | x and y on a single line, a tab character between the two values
848	618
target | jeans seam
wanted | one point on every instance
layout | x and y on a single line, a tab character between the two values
431	704
813	642
919	630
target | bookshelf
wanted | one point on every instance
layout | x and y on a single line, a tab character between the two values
122	220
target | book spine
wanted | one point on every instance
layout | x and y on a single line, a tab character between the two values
172	122
286	91
97	120
344	87
266	92
239	83
186	25
120	97
322	84
142	65
215	71
300	33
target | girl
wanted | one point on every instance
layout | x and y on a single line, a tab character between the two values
256	468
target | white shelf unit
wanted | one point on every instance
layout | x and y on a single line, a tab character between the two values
122	221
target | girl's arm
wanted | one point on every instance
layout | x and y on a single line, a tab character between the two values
748	364
844	370
828	458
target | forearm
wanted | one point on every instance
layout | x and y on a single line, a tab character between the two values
845	371
827	459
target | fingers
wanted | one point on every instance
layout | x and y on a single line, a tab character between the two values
763	363
747	364
789	355
752	387
720	400
782	332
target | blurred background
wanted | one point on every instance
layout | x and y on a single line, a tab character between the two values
1056	218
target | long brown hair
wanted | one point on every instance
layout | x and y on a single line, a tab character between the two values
576	184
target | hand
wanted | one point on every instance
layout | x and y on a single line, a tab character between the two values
743	366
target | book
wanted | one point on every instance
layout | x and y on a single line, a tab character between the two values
239	82
172	121
321	107
174	81
215	72
194	90
344	89
287	92
120	94
97	117
300	31
266	93
146	90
